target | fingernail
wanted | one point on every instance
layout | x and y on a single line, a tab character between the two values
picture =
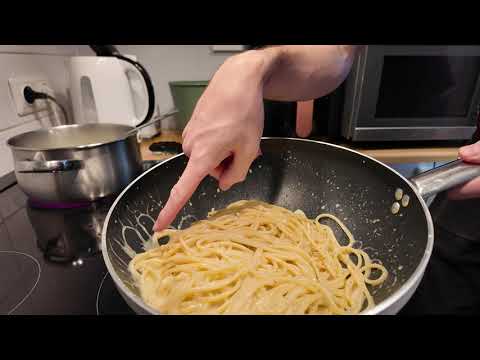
467	151
224	187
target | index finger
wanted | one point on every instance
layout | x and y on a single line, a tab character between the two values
181	193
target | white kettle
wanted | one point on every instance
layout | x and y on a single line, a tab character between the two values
110	88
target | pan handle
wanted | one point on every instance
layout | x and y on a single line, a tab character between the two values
48	166
444	178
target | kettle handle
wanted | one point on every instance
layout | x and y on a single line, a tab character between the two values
148	85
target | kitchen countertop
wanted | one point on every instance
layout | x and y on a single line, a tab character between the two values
392	156
412	155
174	136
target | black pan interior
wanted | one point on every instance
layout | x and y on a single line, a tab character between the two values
295	174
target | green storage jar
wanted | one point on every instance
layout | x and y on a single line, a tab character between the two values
185	95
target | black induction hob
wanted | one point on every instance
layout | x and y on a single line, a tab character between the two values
51	262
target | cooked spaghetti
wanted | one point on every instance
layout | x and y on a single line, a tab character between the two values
256	258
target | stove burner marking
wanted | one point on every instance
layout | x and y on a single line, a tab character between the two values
99	290
34	285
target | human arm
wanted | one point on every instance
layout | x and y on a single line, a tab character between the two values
223	135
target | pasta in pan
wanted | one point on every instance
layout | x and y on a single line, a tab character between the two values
256	258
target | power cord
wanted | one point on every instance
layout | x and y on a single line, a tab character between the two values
31	96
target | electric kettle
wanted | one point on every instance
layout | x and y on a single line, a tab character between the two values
110	88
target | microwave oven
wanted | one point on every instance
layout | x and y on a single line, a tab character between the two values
412	93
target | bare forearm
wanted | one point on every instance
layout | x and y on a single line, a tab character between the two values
300	72
305	72
222	138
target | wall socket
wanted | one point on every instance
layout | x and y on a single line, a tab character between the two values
17	85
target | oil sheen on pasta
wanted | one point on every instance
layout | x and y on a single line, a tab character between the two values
256	258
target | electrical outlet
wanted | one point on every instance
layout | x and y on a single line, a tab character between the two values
17	85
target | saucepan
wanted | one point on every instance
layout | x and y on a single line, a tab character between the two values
387	214
76	163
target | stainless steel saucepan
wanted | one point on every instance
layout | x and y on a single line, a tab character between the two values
77	162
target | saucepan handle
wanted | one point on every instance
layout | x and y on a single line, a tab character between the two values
444	178
155	120
48	166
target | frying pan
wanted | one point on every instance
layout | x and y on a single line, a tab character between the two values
302	174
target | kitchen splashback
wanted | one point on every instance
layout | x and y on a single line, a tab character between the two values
30	62
164	63
167	63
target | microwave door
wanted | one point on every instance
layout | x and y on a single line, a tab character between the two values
412	95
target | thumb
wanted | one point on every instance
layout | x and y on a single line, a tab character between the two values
236	170
471	153
219	170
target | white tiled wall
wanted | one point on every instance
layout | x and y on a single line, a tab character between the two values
175	62
6	163
164	63
36	62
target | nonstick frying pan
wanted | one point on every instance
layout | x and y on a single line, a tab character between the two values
299	174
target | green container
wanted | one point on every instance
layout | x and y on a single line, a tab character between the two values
185	96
